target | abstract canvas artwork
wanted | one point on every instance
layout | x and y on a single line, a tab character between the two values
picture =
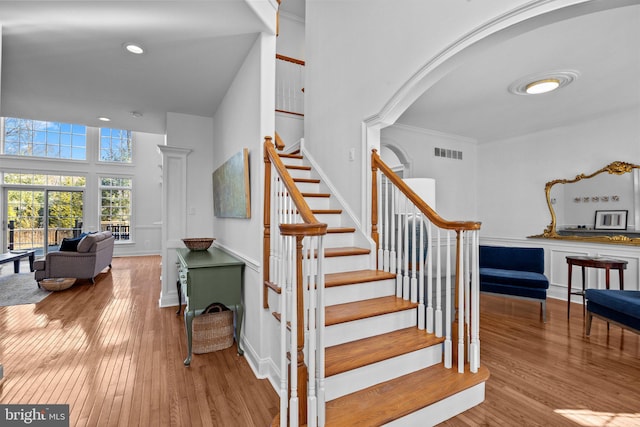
231	191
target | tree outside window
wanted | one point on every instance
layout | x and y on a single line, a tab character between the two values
35	138
115	145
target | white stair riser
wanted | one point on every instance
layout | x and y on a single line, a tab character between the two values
292	161
443	410
299	173
308	187
359	291
364	328
335	240
332	220
318	202
339	264
367	376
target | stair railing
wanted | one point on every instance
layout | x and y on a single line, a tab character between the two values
293	268
414	242
289	85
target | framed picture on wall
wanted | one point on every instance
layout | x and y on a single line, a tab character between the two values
611	220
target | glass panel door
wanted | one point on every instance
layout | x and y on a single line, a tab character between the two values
64	216
39	219
25	220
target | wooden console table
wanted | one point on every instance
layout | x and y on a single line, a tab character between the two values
594	262
210	276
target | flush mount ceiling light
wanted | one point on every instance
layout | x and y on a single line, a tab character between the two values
134	48
104	119
542	83
136	114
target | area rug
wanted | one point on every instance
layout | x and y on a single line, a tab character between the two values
17	289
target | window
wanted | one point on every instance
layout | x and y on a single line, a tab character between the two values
115	145
31	178
115	206
35	138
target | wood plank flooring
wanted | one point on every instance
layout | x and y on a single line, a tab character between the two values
116	358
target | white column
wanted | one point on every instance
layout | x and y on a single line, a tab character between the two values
174	217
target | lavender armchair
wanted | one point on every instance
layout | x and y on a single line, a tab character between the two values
94	254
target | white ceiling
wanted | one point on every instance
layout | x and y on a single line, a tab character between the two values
473	100
64	61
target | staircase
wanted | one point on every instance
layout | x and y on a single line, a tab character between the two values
379	367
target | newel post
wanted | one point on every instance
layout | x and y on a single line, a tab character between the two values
266	243
374	201
303	373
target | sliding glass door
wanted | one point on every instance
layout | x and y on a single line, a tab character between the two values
40	218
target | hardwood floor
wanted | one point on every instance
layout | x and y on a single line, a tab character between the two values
116	358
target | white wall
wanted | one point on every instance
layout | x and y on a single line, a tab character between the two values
455	179
244	117
512	173
359	54
195	133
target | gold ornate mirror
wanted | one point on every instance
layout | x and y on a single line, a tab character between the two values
601	207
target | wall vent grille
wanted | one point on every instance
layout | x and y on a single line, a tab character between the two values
447	153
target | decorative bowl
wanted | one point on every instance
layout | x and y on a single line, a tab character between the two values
198	244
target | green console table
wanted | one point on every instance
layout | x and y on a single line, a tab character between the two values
210	276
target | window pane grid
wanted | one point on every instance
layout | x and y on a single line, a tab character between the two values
31	178
115	206
115	145
35	138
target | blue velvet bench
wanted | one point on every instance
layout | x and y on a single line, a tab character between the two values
615	306
514	272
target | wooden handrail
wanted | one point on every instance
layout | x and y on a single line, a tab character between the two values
279	143
376	162
301	205
289	59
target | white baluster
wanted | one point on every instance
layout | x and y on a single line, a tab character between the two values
392	237
400	199
405	276
461	296
293	321
447	324
386	254
321	327
430	278
414	259
311	341
439	331
421	261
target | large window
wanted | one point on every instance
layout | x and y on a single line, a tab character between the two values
115	145
35	138
115	206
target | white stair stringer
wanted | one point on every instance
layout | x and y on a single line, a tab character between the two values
357	379
364	328
444	409
359	291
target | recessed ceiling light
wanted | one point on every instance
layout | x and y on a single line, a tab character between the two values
536	84
104	119
542	86
136	114
134	48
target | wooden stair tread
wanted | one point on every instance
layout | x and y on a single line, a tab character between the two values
298	167
341	313
307	180
341	230
325	195
355	354
326	211
358	276
390	400
345	251
290	156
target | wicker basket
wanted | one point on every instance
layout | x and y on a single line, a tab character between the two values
213	329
